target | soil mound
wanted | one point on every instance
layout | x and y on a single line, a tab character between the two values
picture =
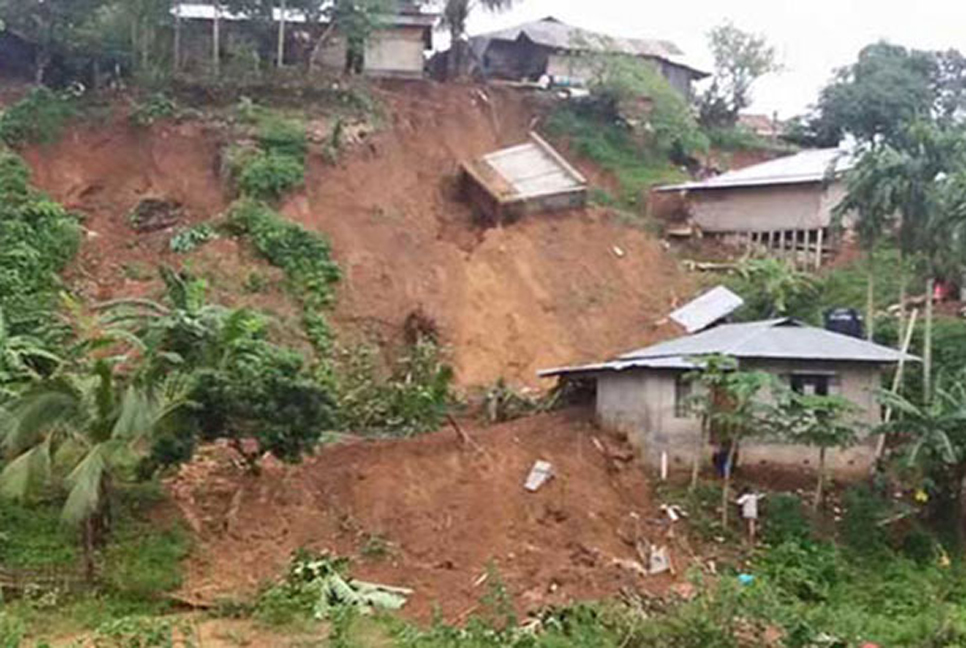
431	514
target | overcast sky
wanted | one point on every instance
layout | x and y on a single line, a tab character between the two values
812	37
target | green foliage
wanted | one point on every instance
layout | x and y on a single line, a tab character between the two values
12	631
609	145
772	288
664	123
318	587
740	59
158	106
190	239
864	510
786	520
143	561
887	87
282	136
37	239
414	398
33	536
739	138
305	256
145	632
269	176
40	117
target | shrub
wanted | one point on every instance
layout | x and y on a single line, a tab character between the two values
861	531
187	240
282	136
786	521
158	106
268	176
144	562
34	537
39	117
413	399
144	632
305	256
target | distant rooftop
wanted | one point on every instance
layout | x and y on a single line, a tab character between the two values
804	167
553	33
776	339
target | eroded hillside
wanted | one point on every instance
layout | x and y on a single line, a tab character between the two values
550	289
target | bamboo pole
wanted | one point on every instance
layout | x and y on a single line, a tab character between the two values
897	379
818	248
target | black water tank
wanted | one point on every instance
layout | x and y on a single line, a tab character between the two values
846	321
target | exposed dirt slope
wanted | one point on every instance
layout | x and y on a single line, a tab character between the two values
445	510
547	290
551	289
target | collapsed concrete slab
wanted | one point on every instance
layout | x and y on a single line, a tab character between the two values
530	178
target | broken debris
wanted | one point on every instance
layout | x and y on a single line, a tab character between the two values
539	475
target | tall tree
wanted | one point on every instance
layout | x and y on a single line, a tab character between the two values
455	15
740	59
52	24
820	421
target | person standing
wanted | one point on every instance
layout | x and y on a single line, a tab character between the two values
748	501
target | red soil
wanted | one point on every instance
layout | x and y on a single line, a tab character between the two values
446	510
508	301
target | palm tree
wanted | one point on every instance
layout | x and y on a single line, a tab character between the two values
870	196
455	15
85	427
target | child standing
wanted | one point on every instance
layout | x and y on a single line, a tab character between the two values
748	501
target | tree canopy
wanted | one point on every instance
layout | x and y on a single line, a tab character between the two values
740	59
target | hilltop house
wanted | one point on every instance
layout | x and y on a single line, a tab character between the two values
644	393
552	48
397	49
784	205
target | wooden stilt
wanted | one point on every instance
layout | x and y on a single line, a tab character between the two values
818	248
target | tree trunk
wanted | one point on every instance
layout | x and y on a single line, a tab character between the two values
41	64
902	290
456	49
820	487
87	543
176	62
216	40
726	485
870	297
927	342
317	48
281	36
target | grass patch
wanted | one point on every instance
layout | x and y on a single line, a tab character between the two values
613	148
40	117
33	536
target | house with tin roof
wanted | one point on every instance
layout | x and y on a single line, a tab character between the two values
560	51
645	393
784	206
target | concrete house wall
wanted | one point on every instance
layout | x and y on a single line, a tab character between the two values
641	404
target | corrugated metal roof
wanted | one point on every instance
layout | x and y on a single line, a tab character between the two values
550	32
200	11
777	339
806	166
707	309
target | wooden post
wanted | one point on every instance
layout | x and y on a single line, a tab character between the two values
281	36
897	379
216	38
177	37
818	248
781	243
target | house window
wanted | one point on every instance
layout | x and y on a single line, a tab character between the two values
682	397
815	384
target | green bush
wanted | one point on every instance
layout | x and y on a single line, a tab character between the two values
188	240
269	176
305	256
144	632
144	562
37	239
413	399
157	107
12	631
861	530
786	520
613	148
282	136
39	117
33	536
